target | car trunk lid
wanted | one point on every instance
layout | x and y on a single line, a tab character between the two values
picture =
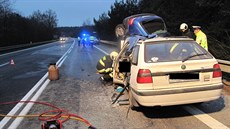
183	74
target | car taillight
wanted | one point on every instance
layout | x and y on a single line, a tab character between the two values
144	76
131	21
217	72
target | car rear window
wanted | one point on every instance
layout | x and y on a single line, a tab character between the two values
174	51
154	26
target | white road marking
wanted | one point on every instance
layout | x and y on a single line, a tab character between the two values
102	50
206	119
4	64
5	120
62	62
27	108
24	111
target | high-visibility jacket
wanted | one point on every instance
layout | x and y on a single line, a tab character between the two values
104	65
202	39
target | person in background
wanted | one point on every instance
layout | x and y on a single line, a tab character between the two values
105	66
201	37
185	31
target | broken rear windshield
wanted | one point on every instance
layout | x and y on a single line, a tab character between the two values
173	51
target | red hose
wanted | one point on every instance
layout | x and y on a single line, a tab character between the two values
57	110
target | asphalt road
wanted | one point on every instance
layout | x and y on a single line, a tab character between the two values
80	92
21	70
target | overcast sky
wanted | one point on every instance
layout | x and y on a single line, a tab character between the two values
69	12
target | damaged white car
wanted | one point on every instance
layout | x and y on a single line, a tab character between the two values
165	71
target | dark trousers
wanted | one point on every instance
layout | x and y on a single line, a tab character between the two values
107	77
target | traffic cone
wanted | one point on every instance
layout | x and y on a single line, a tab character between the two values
12	62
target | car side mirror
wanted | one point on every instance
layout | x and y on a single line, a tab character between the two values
124	66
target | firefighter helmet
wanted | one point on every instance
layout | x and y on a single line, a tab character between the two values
113	55
183	27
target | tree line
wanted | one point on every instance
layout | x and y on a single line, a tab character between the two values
212	15
16	29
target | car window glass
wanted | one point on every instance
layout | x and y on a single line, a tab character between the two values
154	26
135	55
173	51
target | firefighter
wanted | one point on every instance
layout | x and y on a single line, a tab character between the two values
186	31
105	66
201	37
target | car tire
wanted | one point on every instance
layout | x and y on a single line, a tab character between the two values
132	102
120	31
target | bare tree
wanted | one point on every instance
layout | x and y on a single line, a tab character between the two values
87	22
4	13
51	19
5	7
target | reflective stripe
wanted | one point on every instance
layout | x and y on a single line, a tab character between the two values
104	58
102	63
173	47
105	70
101	71
108	70
202	39
111	75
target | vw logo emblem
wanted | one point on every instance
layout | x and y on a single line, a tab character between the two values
183	67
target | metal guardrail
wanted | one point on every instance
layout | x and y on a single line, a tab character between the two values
2	49
224	64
